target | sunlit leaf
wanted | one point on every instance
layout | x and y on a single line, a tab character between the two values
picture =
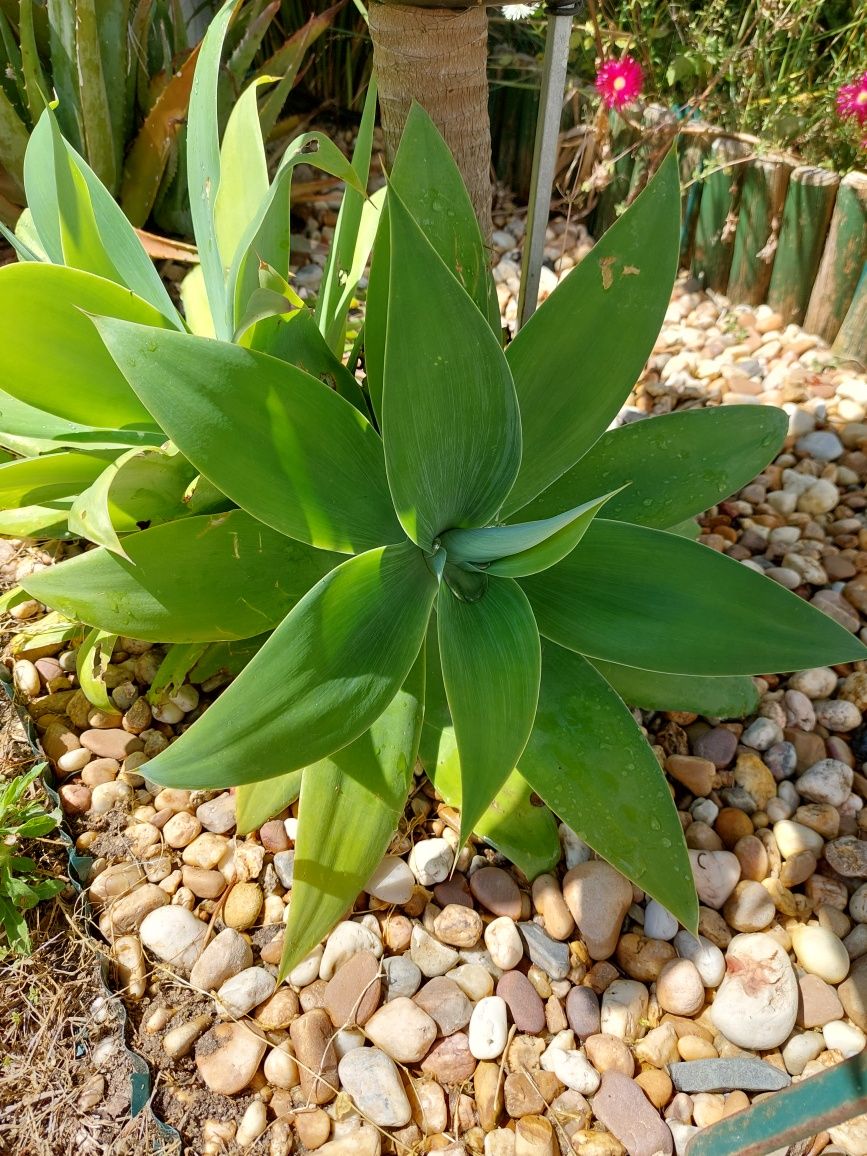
723	697
92	659
256	803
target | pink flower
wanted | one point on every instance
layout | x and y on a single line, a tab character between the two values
619	81
852	100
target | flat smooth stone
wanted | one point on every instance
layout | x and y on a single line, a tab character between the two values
746	1075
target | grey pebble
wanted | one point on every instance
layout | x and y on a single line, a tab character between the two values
284	865
746	1075
545	952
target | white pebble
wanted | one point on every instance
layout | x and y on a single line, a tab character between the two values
820	952
843	1037
503	941
488	1028
709	961
658	922
430	861
392	881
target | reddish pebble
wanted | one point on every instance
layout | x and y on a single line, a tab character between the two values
111	744
273	836
450	1060
523	1001
496	890
454	890
74	798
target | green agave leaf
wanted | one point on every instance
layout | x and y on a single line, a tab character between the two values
94	99
676	466
687	529
35	481
41	523
253	426
227	658
243	173
526	547
645	598
349	809
575	360
266	237
174	668
141	488
81	221
490	655
228	577
256	803
322	678
721	697
298	341
51	357
262	305
429	183
451	426
91	663
513	823
32	431
287	60
23	251
353	237
194	298
203	167
51	630
593	767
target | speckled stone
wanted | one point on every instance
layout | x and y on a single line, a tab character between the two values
746	1074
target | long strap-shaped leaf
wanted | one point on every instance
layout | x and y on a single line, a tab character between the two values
429	183
194	580
578	356
646	598
203	166
724	697
676	466
256	803
254	426
593	767
524	547
36	480
449	414
513	823
349	809
80	222
30	431
243	173
490	655
91	663
52	358
322	678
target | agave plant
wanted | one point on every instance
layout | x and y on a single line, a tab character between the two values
457	559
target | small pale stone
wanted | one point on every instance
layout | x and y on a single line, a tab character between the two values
573	1069
707	957
181	829
658	922
431	861
488	1028
228	1056
278	1011
218	815
844	1038
800	1049
174	935
749	907
608	1053
828	781
402	977
820	952
205	851
549	902
392	881
402	1030
226	955
345	940
458	926
504	942
757	1003
431	956
284	865
474	981
372	1080
679	988
179	1041
598	897
445	1003
624	1008
716	874
242	906
848	856
244	991
818	1002
792	838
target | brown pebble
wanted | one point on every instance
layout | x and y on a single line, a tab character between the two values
609	1053
312	997
753	858
311	1034
731	825
203	883
524	1004
528	1093
656	1085
353	993
458	925
273	837
696	774
450	1060
278	1011
111	744
643	958
313	1127
497	891
454	890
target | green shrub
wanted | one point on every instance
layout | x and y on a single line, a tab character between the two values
455	560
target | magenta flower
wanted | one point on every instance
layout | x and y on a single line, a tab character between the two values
619	81
852	100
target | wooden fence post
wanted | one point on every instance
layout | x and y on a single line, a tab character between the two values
717	213
762	198
808	208
851	342
842	260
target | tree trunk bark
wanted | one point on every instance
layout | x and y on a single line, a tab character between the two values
438	57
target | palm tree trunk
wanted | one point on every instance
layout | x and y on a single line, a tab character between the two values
438	56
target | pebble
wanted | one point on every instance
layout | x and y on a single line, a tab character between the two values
749	907
679	988
458	926
431	956
575	850
353	992
174	935
716	874
574	1070
820	952
228	1056
828	781
800	1049
745	1073
757	1002
696	774
242	992
583	1012
844	1038
488	1028
709	961
129	912
598	897
361	1141
430	861
179	1041
547	953
624	1008
110	744
525	1006
549	902
373	1082
346	940
626	1112
792	838
474	981
497	891
242	906
218	815
503	941
225	956
392	881
284	865
818	1002
658	922
278	1011
445	1003
450	1060
402	977
848	856
311	1036
402	1030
